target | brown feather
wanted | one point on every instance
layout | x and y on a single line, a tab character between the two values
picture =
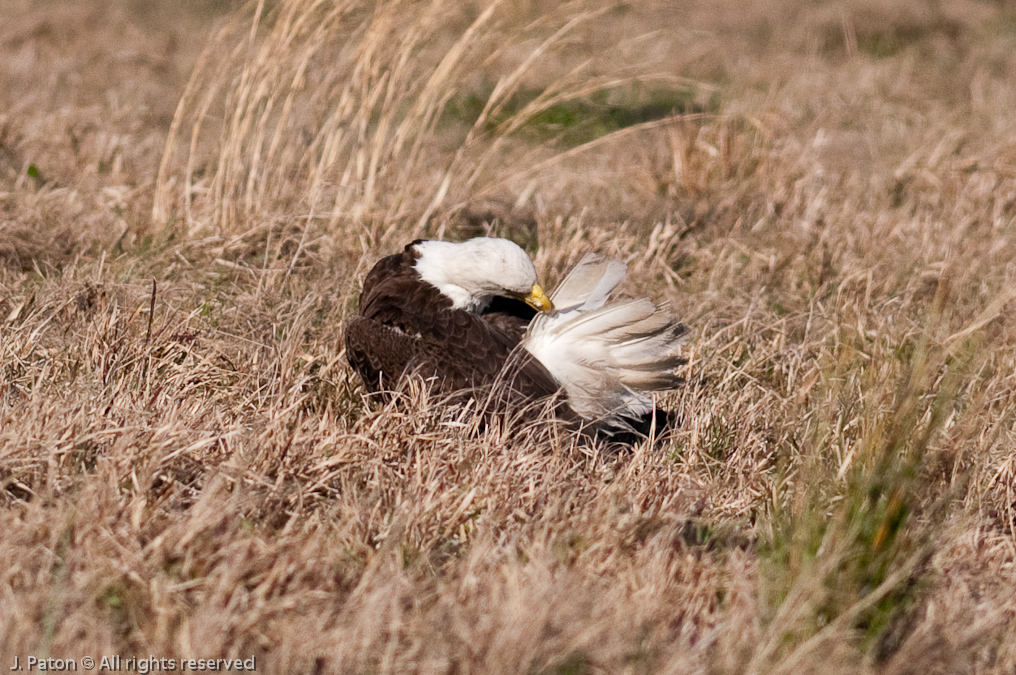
405	325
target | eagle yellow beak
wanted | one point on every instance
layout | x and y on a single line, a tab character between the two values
538	300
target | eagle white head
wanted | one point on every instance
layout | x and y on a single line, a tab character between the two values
473	272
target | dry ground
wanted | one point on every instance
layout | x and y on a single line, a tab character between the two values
828	198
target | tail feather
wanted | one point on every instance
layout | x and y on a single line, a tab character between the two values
589	283
608	358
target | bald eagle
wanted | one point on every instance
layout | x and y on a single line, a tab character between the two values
471	316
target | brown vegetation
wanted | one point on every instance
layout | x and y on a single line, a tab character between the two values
189	197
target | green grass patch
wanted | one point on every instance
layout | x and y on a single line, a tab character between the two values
579	120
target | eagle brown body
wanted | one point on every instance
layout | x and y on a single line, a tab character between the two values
407	326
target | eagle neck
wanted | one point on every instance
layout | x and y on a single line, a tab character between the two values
461	298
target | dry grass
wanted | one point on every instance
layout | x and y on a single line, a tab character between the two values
187	468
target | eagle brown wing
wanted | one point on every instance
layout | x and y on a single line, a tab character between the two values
406	325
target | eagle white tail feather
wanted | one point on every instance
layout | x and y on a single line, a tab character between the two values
608	358
589	283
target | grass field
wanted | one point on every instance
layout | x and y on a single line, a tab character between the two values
191	193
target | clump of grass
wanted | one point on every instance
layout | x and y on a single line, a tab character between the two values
849	552
346	128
